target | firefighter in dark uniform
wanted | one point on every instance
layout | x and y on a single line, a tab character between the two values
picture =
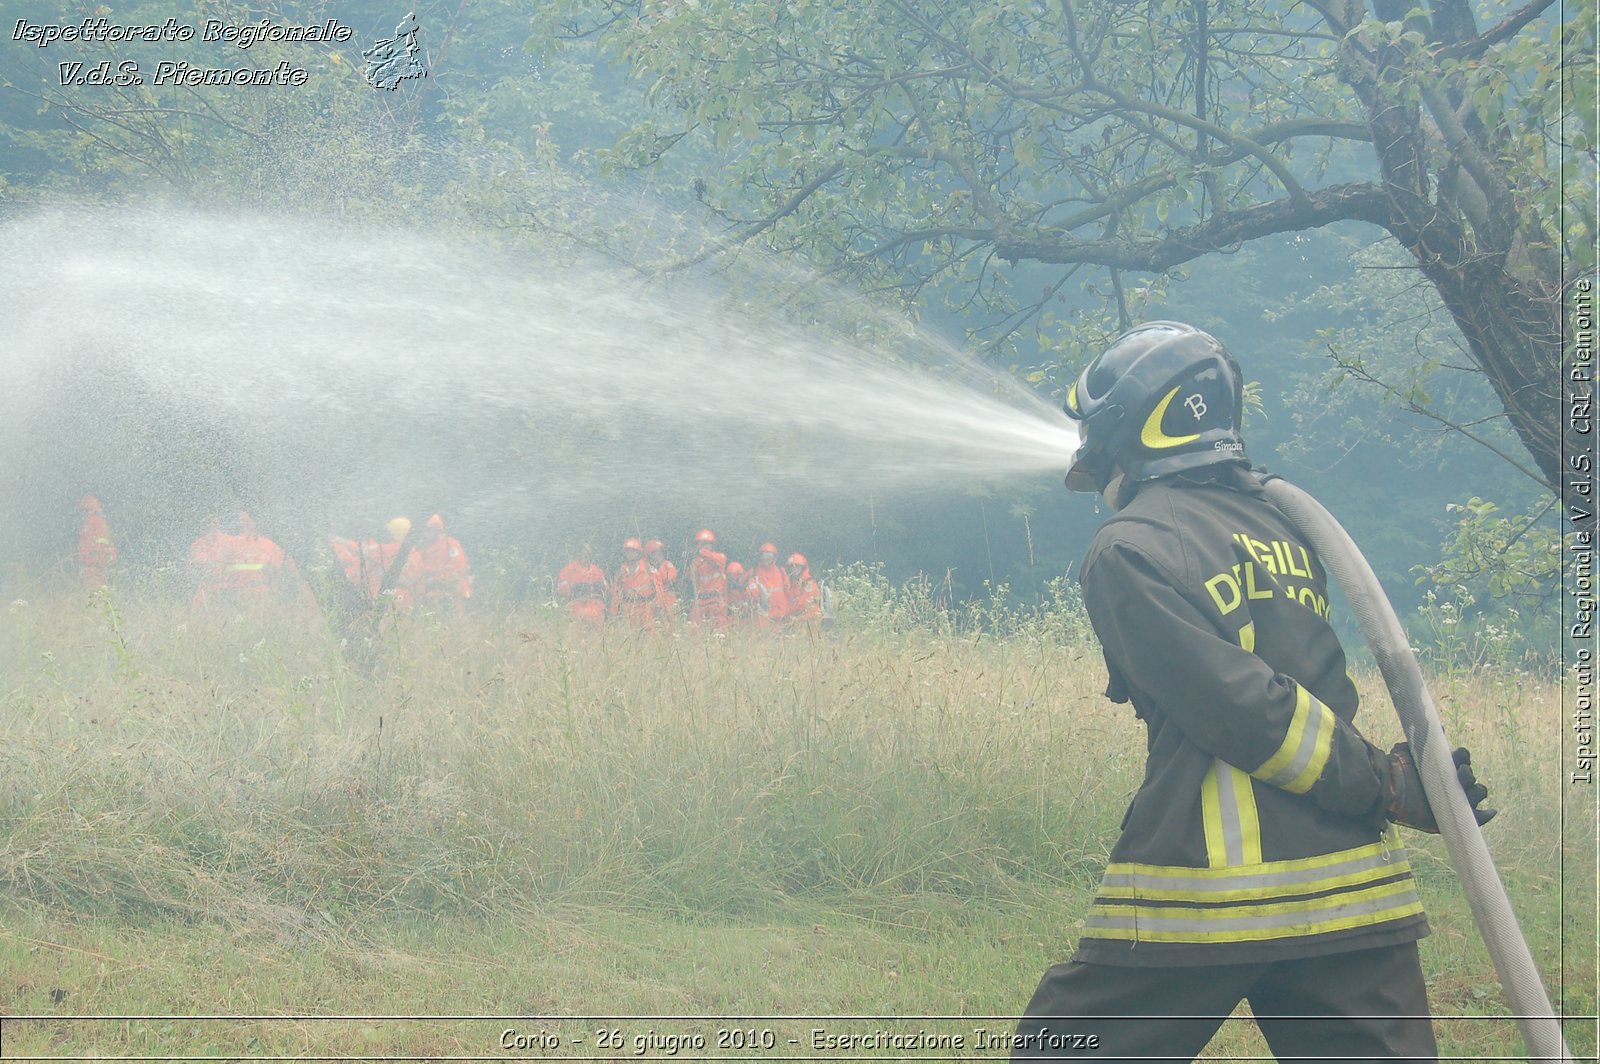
1258	859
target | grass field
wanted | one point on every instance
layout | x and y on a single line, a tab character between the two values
264	843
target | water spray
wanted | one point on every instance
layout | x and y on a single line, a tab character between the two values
337	374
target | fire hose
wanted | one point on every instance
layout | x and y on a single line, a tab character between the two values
1491	909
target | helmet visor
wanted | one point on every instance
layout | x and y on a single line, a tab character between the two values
1090	470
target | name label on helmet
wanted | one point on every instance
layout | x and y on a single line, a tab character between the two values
1228	445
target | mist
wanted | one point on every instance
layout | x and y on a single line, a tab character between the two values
183	363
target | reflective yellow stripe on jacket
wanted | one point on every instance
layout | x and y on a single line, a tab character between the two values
1358	887
1298	762
1228	810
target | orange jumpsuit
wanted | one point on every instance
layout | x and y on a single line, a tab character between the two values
666	578
741	598
771	587
235	570
581	584
708	577
633	594
438	572
364	564
96	550
805	597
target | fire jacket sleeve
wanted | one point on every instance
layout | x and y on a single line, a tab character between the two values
1223	698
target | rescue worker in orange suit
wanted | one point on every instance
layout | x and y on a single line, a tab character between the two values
666	577
437	573
1258	859
708	583
97	552
581	586
351	556
633	592
235	570
770	585
206	555
741	596
365	562
805	596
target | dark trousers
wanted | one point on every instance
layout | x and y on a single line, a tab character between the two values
1364	1005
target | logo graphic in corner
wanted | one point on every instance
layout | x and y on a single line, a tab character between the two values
389	62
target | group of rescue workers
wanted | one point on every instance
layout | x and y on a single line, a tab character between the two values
435	573
1258	860
238	569
721	594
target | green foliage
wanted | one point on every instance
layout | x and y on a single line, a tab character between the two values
868	601
1493	599
917	150
485	160
1517	557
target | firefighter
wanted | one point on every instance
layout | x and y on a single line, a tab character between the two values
741	596
581	586
352	557
770	587
1258	859
246	569
437	573
380	560
97	552
805	596
206	561
708	583
365	562
633	592
665	575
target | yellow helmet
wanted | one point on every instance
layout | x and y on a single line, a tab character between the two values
399	528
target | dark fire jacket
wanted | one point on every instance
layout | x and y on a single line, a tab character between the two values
1257	832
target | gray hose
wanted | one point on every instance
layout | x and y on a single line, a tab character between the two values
1519	979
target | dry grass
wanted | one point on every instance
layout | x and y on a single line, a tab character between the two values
226	771
165	771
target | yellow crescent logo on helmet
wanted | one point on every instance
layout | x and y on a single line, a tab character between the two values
1152	436
1072	398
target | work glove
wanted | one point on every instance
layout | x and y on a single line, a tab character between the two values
1405	802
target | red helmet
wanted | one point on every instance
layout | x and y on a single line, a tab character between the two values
705	535
735	569
652	546
767	548
89	502
631	544
436	522
798	559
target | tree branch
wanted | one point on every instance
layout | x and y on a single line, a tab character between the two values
1491	37
756	228
1338	203
1356	370
1504	216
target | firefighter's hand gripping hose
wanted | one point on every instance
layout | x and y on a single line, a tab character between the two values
1406	802
1446	791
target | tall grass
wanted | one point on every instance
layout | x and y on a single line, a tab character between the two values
918	764
235	768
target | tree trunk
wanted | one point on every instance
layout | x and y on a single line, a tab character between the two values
1506	302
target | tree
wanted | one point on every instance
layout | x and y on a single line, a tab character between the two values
930	141
332	144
